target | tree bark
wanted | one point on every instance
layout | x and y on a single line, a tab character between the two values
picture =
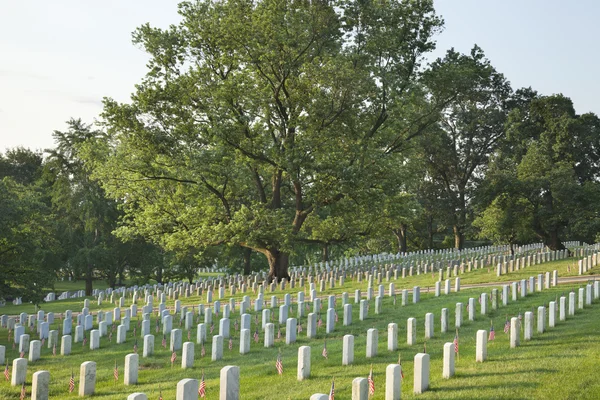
459	237
325	253
278	265
430	232
159	273
89	279
552	240
247	256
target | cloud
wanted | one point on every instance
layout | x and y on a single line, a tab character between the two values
88	100
23	74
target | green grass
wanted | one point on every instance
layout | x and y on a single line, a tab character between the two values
557	364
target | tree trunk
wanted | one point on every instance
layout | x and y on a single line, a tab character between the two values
552	240
88	280
512	249
459	238
278	265
325	253
159	273
430	232
247	255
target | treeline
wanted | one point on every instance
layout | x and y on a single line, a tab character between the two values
264	134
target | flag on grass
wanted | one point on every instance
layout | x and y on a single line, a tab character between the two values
212	328
173	358
84	341
189	334
202	387
320	322
256	336
22	354
23	392
299	328
135	347
116	371
6	373
54	349
72	382
371	383
230	344
492	333
160	394
110	337
506	326
279	364
400	364
279	333
324	352
456	342
332	390
164	341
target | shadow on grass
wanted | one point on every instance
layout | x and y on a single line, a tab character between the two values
495	373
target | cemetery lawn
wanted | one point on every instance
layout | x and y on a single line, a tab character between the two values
557	364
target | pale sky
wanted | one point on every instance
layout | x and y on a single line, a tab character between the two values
58	58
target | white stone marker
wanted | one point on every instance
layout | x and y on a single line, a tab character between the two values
217	348
40	385
19	370
303	362
458	315
65	345
244	341
24	343
137	396
428	325
348	350
363	311
411	331
148	346
311	325
319	396
514	332
187	355
421	373
444	321
372	342
35	348
360	389
528	331
572	303
471	309
448	367
483	298
541	320
330	326
176	340
581	298
347	314
2	355
393	382
130	375
392	336
187	389
416	294
481	346
562	308
290	331
552	314
230	383
269	335
87	378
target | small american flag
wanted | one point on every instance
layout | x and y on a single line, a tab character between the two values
23	392
256	338
371	383
164	342
324	352
212	328
202	387
189	334
54	349
110	336
456	343
72	382
235	325
6	373
84	341
116	372
401	369
134	331
160	394
332	391
230	344
336	317
299	328
22	354
492	333
173	358
44	341
319	322
506	326
135	347
279	333
203	351
157	327
279	364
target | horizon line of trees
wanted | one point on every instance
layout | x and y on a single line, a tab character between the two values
264	135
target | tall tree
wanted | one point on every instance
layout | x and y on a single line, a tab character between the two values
255	116
456	151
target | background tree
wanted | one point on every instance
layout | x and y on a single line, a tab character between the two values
457	149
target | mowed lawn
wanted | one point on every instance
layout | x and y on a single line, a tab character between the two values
557	364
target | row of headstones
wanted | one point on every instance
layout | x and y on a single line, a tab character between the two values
588	262
187	389
422	360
